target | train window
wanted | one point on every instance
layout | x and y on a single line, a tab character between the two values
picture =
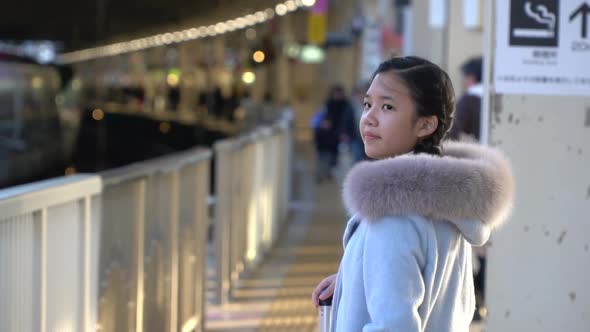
6	108
38	112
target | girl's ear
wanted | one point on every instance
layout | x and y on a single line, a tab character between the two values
427	125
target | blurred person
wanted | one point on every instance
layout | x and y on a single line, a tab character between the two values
212	101
173	97
230	105
268	110
247	112
468	113
135	97
287	112
320	137
416	210
328	128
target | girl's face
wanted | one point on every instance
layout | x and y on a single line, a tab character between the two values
390	125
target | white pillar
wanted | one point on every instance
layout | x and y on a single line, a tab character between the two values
427	41
463	42
538	264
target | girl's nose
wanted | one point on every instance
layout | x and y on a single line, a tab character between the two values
369	118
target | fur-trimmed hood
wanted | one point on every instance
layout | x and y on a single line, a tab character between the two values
470	185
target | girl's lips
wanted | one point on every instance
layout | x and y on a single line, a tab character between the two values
370	137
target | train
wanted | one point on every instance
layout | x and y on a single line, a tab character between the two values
36	136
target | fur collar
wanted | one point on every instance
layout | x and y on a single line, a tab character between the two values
469	182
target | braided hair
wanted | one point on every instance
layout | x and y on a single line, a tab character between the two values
432	92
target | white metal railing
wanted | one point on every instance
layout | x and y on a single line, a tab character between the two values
148	224
48	254
252	191
154	242
125	250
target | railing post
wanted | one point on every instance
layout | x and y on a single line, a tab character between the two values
43	263
174	216
202	220
276	185
258	221
86	260
239	215
223	209
139	222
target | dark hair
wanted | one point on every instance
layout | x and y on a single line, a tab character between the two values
432	92
473	67
336	89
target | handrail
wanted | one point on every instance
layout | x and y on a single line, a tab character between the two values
35	196
166	163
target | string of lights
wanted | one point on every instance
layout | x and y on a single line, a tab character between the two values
194	33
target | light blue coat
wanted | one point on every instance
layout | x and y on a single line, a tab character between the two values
403	271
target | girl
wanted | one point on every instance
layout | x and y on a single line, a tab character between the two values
417	209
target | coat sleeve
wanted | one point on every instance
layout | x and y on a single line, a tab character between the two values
394	286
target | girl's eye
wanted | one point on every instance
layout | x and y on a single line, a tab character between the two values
366	105
388	107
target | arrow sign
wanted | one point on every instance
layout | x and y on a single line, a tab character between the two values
583	11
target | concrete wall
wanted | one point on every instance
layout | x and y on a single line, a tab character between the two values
463	43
